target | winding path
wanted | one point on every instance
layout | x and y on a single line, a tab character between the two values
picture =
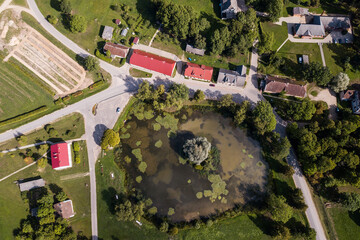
119	93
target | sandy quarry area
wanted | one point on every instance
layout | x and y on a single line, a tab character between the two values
34	51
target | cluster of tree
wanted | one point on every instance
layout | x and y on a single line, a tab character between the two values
128	211
76	23
329	148
184	23
91	63
272	7
296	111
45	225
172	100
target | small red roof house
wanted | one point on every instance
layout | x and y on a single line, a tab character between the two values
116	50
136	40
65	209
152	62
117	21
61	156
196	71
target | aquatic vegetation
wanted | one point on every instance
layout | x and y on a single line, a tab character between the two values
142	167
138	179
250	156
138	143
156	126
152	210
127	159
137	153
158	144
199	195
124	136
171	211
168	121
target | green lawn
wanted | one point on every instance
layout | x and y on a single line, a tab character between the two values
139	74
19	2
335	54
20	91
13	209
73	122
347	224
280	33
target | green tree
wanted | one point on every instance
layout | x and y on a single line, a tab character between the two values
340	82
351	201
276	146
226	102
129	212
197	149
78	24
315	72
65	6
266	42
43	149
110	139
22	140
52	19
177	95
263	118
199	95
61	196
164	227
241	112
199	41
145	91
279	209
91	63
76	146
275	8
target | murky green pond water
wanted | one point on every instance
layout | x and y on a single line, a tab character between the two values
173	185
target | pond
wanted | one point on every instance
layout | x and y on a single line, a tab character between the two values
171	184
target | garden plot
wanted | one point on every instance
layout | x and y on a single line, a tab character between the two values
49	63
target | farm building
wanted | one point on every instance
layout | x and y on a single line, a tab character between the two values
232	78
196	71
61	156
65	209
197	51
107	33
29	185
116	50
152	62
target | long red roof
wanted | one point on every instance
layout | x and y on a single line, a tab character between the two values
59	155
202	72
152	62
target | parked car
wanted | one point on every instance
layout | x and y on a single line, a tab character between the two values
118	109
340	40
212	85
300	60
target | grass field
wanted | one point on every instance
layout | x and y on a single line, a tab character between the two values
347	224
19	2
280	33
335	55
99	14
78	190
19	92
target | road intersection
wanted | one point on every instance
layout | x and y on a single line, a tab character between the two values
118	94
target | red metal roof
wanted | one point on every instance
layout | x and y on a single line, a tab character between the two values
152	62
116	49
60	155
202	72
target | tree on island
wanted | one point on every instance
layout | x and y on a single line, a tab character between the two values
110	139
197	149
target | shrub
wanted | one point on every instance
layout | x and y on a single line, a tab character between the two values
96	84
42	162
22	140
53	133
122	61
76	146
77	24
164	227
77	93
77	158
209	223
66	98
58	101
174	231
152	210
24	116
52	19
102	56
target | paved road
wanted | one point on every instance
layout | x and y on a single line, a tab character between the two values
119	91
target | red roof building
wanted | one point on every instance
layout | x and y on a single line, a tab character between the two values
118	21
196	71
116	50
61	156
136	40
152	62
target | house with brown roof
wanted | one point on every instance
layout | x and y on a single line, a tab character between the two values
116	50
65	209
278	85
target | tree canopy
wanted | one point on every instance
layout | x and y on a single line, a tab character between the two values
110	139
340	82
91	63
264	119
197	149
315	72
78	24
279	209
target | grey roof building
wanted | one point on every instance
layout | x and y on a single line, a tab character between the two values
107	33
229	8
124	32
26	186
306	59
233	78
355	103
333	23
197	51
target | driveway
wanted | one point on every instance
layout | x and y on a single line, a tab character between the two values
329	97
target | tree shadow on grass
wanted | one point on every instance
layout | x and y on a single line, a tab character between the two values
55	4
55	188
264	223
355	216
109	196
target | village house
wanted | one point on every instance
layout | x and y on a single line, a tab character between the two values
278	85
152	62
65	209
61	156
197	51
232	78
107	33
29	185
116	50
196	71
